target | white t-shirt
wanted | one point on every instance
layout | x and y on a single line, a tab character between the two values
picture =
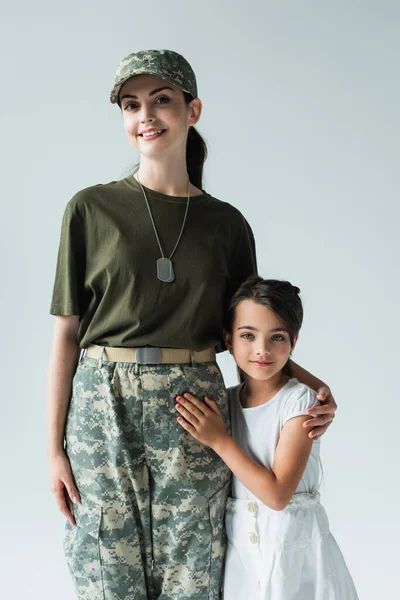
256	430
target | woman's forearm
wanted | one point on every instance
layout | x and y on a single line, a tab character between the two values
62	365
305	377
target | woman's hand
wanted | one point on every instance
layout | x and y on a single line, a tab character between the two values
324	414
203	421
62	484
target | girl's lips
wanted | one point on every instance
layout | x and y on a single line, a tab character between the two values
260	363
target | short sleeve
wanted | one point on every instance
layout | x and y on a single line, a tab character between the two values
299	402
244	262
68	290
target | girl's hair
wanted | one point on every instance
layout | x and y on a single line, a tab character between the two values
279	296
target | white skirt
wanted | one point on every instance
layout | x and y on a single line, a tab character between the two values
283	555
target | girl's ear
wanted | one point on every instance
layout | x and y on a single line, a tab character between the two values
294	342
228	340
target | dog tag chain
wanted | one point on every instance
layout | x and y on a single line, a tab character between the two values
165	267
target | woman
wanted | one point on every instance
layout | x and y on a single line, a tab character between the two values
146	266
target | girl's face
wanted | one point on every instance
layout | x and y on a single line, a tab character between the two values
156	116
259	341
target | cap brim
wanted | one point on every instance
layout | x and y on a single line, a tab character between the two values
114	96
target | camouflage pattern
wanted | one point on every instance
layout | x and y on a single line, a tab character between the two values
166	64
150	524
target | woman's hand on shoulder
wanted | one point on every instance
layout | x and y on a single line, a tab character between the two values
323	415
62	484
203	420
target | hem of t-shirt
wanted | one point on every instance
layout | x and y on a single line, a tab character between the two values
300	413
64	311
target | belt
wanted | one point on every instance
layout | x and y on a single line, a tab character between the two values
150	355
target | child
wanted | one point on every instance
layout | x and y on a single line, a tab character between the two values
279	543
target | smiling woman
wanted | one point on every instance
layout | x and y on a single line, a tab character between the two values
145	269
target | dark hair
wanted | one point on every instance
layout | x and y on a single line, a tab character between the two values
196	152
279	296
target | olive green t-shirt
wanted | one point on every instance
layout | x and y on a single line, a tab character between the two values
106	268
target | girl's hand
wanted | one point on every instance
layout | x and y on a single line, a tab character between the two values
203	421
62	484
324	414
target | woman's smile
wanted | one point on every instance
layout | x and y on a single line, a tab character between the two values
151	134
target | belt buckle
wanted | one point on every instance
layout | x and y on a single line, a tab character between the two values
148	356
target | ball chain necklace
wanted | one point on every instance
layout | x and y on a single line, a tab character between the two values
165	267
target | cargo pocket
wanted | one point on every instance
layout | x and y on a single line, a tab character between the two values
217	504
82	549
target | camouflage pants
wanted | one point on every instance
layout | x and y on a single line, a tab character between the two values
150	524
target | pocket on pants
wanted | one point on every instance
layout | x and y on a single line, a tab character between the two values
217	504
82	549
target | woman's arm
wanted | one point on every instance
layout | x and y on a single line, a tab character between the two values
63	360
324	414
273	487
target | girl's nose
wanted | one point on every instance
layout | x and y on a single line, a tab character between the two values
263	351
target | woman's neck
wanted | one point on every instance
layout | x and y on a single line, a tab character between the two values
256	392
167	177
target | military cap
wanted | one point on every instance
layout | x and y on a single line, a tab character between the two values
165	64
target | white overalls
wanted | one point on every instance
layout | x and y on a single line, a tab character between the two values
288	554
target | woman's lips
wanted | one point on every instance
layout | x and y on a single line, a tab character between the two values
148	136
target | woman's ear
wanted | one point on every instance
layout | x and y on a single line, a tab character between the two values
195	108
228	340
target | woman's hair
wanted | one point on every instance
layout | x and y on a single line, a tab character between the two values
196	152
279	296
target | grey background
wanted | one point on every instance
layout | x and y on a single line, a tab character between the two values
301	117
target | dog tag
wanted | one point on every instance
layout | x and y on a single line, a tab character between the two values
165	270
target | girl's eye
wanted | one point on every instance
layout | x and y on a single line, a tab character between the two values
247	336
278	337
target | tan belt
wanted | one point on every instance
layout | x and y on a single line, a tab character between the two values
150	355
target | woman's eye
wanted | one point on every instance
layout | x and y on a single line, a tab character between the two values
163	100
278	338
130	106
247	336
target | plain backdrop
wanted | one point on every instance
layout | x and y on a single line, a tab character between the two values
301	104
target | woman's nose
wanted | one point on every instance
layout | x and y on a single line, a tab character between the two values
146	115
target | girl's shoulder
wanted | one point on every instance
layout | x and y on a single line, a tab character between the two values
296	399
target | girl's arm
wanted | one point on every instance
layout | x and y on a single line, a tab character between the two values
274	488
63	360
324	414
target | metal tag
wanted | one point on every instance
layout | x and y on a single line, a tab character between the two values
165	270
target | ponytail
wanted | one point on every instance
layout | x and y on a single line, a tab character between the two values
196	153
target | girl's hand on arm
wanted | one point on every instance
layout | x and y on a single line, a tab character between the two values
203	421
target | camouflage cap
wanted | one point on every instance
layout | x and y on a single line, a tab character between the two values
166	64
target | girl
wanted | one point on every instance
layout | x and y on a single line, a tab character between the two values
145	267
279	543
